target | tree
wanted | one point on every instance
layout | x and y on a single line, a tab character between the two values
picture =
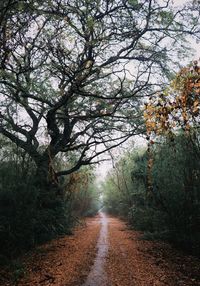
177	108
162	183
125	182
73	73
172	211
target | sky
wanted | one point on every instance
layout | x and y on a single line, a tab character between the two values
103	168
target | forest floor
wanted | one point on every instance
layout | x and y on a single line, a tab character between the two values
104	252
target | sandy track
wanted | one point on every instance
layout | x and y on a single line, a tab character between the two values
132	261
106	253
62	262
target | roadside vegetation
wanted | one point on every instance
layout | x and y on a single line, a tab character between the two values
73	77
157	188
30	215
172	211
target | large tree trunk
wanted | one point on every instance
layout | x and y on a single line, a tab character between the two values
47	181
51	202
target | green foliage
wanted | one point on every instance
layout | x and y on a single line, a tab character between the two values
133	2
84	193
73	85
176	186
32	213
112	197
61	75
29	213
24	221
120	187
93	205
172	211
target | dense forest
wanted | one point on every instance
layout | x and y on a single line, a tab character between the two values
157	188
78	79
171	211
28	216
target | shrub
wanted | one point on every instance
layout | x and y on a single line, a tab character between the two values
24	222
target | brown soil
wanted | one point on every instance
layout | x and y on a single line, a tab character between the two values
132	261
62	262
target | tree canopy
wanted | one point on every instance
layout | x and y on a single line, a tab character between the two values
73	72
74	76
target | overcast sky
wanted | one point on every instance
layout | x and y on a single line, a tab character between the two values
104	167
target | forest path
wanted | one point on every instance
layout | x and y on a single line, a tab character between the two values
97	275
104	252
133	261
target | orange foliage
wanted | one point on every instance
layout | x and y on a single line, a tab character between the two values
76	180
176	107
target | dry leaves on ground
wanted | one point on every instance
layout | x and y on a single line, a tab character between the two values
135	262
62	262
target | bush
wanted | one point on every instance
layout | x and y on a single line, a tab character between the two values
172	211
24	222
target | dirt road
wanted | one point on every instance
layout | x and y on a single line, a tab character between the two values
105	253
132	261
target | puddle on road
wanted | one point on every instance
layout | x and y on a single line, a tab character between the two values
97	275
